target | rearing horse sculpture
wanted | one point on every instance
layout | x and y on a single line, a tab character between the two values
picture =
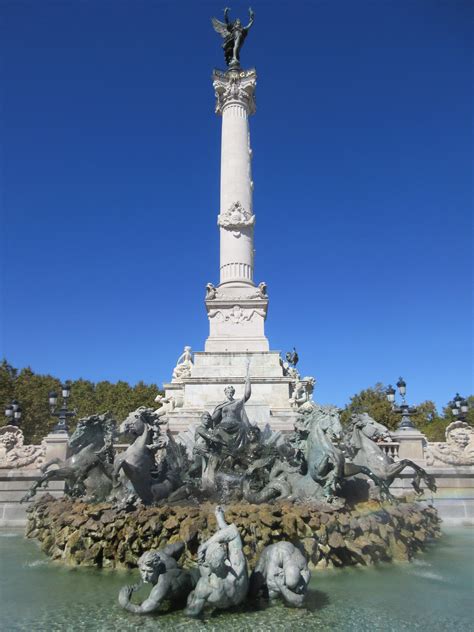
151	481
88	471
360	438
327	463
323	464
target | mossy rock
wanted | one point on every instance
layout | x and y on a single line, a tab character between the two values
99	535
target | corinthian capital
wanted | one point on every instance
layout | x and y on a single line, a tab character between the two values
235	87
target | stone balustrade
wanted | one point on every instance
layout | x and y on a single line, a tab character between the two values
391	449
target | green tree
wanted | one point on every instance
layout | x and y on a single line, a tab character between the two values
374	402
426	418
32	391
7	382
436	430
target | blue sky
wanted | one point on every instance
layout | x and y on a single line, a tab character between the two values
363	194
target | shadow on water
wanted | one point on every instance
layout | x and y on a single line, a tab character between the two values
262	612
316	600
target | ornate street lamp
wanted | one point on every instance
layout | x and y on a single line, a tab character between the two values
402	387
404	409
63	413
459	407
391	394
13	413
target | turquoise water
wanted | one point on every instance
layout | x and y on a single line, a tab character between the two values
433	593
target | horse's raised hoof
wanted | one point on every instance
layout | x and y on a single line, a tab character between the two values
431	483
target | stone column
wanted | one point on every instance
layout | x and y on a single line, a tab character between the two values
237	309
235	103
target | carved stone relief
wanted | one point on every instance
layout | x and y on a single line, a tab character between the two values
458	448
302	390
211	292
168	404
236	315
183	366
13	454
236	218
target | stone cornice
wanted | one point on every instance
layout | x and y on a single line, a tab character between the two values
237	380
225	303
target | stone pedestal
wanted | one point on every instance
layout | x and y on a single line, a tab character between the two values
213	371
56	446
14	484
412	443
236	321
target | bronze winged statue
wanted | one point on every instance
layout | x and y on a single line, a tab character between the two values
234	35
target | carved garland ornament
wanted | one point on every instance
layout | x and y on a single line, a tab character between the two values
236	218
236	315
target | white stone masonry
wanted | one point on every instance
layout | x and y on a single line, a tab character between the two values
237	306
236	309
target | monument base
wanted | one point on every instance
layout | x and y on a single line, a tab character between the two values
213	371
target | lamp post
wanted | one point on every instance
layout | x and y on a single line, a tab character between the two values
459	407
63	413
404	409
13	413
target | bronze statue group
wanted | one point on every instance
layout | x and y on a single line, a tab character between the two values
225	459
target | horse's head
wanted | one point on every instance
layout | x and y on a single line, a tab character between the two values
136	422
95	430
372	429
325	419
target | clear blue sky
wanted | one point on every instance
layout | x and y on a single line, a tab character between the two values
362	164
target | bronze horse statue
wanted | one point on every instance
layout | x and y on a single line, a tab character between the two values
151	478
327	462
361	437
315	464
88	470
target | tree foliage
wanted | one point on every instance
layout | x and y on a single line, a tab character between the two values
32	390
374	402
426	418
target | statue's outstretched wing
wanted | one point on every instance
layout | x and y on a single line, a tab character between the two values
220	27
